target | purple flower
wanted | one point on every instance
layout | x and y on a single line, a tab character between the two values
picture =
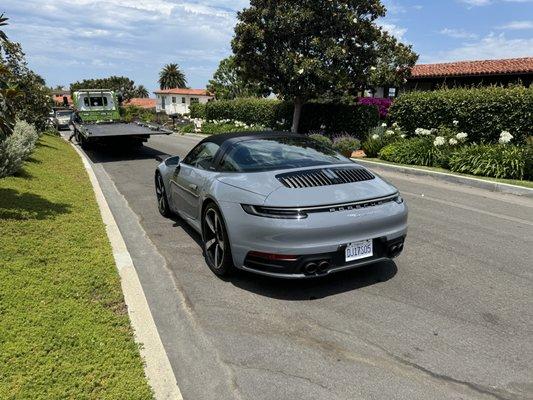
381	103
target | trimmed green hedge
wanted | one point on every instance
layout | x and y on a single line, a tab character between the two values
197	110
355	120
481	112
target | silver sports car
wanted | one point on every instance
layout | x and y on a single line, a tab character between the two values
282	205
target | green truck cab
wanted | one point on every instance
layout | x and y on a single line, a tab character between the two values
97	105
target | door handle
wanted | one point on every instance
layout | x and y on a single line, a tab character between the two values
192	186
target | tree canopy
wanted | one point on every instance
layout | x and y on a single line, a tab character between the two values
23	93
172	77
120	84
306	49
228	84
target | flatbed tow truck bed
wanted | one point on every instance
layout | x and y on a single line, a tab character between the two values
123	129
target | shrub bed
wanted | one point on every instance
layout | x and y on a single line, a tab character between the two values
197	110
497	161
16	148
355	120
417	151
482	112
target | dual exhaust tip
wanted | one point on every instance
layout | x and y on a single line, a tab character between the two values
319	267
395	250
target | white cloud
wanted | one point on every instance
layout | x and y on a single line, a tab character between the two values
490	47
393	29
458	33
517	25
476	3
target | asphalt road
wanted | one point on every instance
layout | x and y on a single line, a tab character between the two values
451	318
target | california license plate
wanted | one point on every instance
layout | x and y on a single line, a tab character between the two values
358	250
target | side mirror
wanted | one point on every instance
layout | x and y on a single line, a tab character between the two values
172	161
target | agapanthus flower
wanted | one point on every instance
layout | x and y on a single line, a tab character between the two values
423	132
439	141
375	136
505	137
453	141
461	135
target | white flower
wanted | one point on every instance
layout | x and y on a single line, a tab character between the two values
373	68
455	122
505	137
383	125
453	141
389	132
461	135
403	135
439	141
322	126
375	136
396	125
423	132
301	71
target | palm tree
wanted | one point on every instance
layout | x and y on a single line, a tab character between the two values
172	77
142	92
3	22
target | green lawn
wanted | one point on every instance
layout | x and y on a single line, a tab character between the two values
527	184
64	328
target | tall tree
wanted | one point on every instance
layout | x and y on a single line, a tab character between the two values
23	93
171	77
141	92
306	49
120	84
227	83
393	64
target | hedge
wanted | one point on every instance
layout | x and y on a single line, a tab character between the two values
355	120
197	110
481	112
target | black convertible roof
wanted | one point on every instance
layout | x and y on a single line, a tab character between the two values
224	137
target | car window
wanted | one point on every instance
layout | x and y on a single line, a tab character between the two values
202	156
279	153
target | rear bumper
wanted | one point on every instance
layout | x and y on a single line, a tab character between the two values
325	263
321	237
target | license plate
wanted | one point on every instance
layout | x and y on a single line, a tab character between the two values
358	250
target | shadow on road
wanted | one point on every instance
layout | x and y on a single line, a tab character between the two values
317	288
105	154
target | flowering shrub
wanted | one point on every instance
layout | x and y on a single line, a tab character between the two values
16	148
482	112
381	136
346	144
495	160
322	139
416	151
382	105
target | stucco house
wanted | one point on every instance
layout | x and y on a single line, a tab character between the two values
177	101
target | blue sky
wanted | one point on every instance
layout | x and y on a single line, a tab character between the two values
68	40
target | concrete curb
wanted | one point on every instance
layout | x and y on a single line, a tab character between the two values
448	177
157	365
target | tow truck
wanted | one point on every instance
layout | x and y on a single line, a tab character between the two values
97	120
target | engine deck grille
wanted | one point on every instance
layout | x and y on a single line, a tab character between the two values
324	177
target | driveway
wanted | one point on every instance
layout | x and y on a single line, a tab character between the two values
451	318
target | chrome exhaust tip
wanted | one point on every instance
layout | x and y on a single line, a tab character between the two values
323	267
310	268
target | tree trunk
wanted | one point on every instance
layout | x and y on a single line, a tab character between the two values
298	105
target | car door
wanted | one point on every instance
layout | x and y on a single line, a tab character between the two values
189	179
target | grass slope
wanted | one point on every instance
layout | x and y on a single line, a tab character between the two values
64	329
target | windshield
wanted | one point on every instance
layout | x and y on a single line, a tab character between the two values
257	155
63	113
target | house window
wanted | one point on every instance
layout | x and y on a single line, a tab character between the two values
392	92
195	100
173	100
162	103
183	101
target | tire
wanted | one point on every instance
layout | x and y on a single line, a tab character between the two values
161	194
215	242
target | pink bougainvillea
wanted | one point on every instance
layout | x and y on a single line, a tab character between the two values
381	103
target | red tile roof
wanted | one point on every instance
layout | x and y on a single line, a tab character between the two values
58	98
469	68
193	92
139	102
